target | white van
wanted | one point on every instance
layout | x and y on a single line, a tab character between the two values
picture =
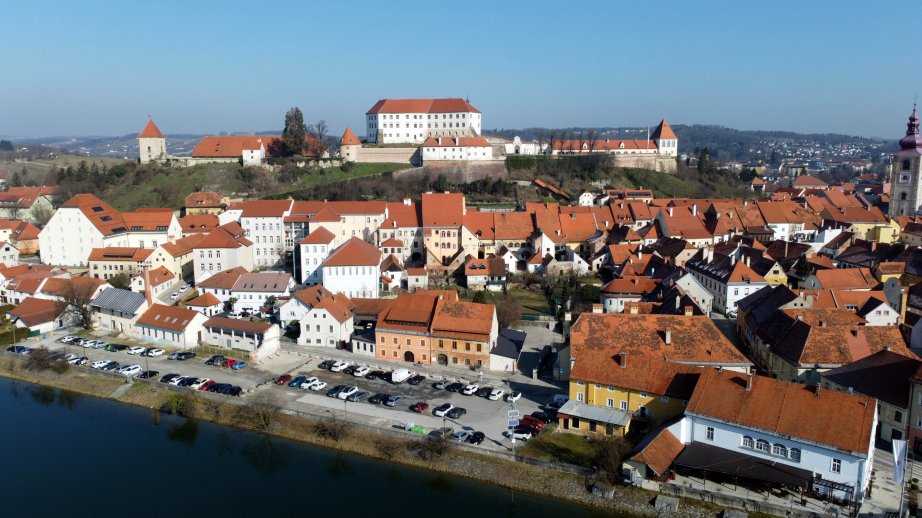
400	375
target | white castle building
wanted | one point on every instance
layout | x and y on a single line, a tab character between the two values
412	121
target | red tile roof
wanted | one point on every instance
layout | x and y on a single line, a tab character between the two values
463	320
313	295
221	237
663	131
183	245
204	301
82	286
265	208
443	209
105	218
837	419
208	199
173	318
320	236
235	324
847	279
224	279
659	453
33	311
160	275
451	105
805	182
150	130
456	142
338	306
513	226
492	267
202	223
349	138
354	252
113	253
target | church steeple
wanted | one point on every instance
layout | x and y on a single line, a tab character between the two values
912	141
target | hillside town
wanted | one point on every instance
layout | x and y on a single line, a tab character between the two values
765	348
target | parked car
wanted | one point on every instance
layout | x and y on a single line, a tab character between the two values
239	365
442	432
400	375
317	386
347	391
416	380
378	398
471	389
177	380
79	361
111	366
350	370
130	370
440	385
484	392
153	352
325	364
393	400
454	387
207	385
99	344
532	422
183	356
68	339
296	381
308	382
116	348
333	392
188	382
374	375
98	364
149	375
513	396
544	417
228	362
361	372
495	394
199	383
136	350
283	379
358	396
460	436
70	357
520	433
419	406
214	360
442	410
168	378
338	366
476	438
456	412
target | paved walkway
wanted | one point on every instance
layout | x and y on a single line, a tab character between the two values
885	493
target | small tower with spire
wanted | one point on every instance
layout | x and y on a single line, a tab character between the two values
349	146
906	188
151	143
667	143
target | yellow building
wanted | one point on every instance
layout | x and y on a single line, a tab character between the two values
105	263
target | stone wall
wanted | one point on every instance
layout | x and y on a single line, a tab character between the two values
653	162
395	155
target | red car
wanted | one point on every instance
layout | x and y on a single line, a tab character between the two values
532	422
419	406
207	384
229	362
283	379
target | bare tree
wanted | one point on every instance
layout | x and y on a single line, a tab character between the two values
332	429
41	214
592	140
260	414
319	132
75	301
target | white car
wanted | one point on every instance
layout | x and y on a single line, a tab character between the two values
136	350
361	372
495	394
68	339
317	386
198	384
177	380
70	357
338	366
130	370
174	296
306	384
155	352
520	435
471	389
513	396
98	364
442	410
79	361
346	392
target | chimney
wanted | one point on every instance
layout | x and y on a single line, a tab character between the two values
639	253
746	260
821	323
406	201
785	250
634	309
678	301
689	311
694	209
438	141
668	337
622	359
597	308
816	390
670	211
147	294
749	382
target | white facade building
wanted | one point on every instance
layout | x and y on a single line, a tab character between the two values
315	248
252	289
353	269
222	249
456	148
411	121
263	222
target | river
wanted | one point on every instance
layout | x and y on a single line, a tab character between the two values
71	455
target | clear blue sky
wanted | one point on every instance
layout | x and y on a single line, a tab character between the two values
99	68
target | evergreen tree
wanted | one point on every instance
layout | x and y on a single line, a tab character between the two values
294	131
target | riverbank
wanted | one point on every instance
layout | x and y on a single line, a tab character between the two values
343	436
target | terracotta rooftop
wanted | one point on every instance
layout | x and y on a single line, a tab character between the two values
658	450
34	311
312	296
836	419
224	279
221	237
265	208
355	252
635	372
200	223
456	142
204	301
491	267
450	105
408	312
442	209
693	340
120	254
663	131
463	320
847	279
320	236
349	138
150	130
206	199
263	282
173	318
239	325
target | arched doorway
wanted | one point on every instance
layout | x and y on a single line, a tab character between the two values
408	356
442	359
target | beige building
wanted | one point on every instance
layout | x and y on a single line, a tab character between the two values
106	263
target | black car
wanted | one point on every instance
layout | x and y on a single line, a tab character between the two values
484	391
416	380
116	347
325	364
358	396
476	437
234	391
148	374
374	375
379	398
553	406
215	360
218	387
439	385
350	370
455	413
454	387
544	417
334	392
388	377
111	366
168	378
188	382
184	356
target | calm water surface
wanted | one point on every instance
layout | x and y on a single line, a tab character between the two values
63	454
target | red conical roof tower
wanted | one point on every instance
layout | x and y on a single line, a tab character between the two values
349	138
663	131
150	130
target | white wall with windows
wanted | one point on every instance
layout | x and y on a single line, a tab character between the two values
414	128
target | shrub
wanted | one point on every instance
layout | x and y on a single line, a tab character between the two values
431	447
331	429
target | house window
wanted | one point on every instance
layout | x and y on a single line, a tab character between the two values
611	403
709	433
664	399
579	396
623	405
747	441
762	445
779	450
575	422
897	416
643	394
836	466
794	454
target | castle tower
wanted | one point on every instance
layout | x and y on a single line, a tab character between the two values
151	143
666	140
349	146
906	189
